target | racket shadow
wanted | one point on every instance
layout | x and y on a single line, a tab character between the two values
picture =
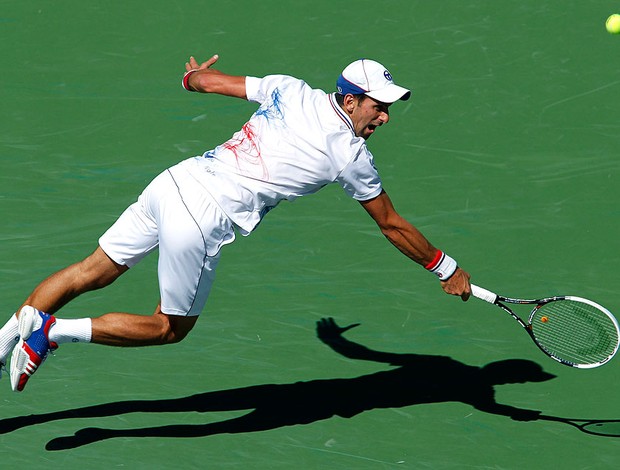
415	379
594	427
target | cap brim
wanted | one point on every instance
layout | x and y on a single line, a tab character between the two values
390	94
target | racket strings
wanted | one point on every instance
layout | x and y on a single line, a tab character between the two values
574	331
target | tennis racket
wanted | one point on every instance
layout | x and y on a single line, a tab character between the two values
575	332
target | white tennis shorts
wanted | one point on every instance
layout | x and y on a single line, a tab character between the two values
180	217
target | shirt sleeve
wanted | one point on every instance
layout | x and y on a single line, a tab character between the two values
259	89
252	85
360	179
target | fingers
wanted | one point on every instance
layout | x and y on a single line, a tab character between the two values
466	288
458	285
328	326
347	328
210	62
192	64
466	294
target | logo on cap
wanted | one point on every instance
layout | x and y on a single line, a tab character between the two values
387	75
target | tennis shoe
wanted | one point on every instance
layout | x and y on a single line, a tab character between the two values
33	346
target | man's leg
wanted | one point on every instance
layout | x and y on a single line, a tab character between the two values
94	272
175	214
115	329
125	329
41	332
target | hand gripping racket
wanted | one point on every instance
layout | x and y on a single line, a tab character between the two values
575	332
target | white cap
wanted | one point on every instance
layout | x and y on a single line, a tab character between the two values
370	78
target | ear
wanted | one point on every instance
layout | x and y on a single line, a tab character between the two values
349	103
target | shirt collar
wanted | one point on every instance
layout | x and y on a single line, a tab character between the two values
340	112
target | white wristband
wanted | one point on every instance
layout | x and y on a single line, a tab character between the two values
185	81
442	266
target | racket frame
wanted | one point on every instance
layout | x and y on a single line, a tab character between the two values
500	301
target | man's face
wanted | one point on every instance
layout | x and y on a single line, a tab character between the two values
367	114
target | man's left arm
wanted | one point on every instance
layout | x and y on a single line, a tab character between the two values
413	244
204	79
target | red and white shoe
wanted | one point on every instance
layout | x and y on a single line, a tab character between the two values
33	346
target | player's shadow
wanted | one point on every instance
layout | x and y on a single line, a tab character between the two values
415	379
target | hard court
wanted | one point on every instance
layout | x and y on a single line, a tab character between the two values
506	157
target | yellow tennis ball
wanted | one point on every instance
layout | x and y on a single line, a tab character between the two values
613	24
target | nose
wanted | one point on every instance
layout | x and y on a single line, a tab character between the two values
384	117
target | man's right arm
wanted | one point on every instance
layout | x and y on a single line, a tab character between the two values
203	79
412	243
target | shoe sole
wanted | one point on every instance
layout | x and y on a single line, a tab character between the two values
19	363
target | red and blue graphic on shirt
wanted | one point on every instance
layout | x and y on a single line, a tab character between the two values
245	145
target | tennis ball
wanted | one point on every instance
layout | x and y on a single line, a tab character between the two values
544	319
613	24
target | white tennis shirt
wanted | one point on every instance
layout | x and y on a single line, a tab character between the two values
298	141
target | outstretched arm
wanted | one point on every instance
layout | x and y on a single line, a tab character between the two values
410	241
330	333
514	413
203	79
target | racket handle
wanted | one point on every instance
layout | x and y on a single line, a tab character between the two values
483	294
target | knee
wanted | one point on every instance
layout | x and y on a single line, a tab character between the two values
174	328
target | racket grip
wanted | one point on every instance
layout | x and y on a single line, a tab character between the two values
483	294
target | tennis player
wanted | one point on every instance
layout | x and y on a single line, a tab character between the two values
299	140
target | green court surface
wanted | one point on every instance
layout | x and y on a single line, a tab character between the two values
506	157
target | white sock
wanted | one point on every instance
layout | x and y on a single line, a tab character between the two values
9	337
71	331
